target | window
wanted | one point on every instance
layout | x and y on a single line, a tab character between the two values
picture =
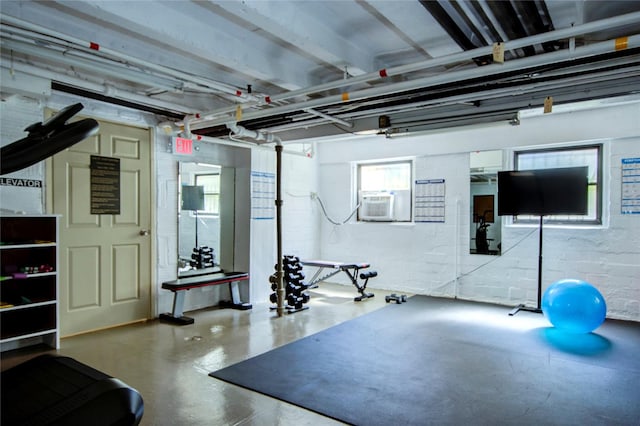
211	184
384	191
590	156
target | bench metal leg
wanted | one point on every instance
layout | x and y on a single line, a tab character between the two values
361	288
176	316
236	302
178	303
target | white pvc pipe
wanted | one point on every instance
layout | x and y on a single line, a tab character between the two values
98	88
425	82
615	22
459	99
498	93
88	64
74	42
252	134
242	144
328	117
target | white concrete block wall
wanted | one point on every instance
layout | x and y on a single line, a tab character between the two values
16	113
263	235
420	258
166	229
299	218
425	258
300	212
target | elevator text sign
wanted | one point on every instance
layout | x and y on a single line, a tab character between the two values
25	183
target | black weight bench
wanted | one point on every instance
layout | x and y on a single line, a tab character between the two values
181	285
351	269
57	390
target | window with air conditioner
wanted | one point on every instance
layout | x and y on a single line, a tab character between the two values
384	191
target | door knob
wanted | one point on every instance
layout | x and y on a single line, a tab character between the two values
144	232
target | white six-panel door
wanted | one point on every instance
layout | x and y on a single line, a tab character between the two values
105	260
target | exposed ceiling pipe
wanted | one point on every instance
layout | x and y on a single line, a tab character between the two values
91	66
238	131
609	23
457	100
97	88
328	117
252	134
244	144
425	82
94	48
563	81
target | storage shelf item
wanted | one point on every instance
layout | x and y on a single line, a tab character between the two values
29	291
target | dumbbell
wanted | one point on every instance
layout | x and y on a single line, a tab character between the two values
294	278
293	299
273	279
292	267
396	298
291	259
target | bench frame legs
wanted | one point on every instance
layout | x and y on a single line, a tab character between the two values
177	316
353	276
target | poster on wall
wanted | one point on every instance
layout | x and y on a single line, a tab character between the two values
630	198
429	200
263	195
105	185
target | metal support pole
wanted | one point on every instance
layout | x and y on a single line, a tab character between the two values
279	272
196	215
539	307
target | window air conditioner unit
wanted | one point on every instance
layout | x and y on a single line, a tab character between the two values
377	207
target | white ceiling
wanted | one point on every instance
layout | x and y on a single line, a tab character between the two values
309	68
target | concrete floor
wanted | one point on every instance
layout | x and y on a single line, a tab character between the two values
169	364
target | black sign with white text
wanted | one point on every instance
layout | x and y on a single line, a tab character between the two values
105	185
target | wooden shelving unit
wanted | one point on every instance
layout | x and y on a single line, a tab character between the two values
29	281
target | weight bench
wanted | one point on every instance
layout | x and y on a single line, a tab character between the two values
58	390
181	285
351	269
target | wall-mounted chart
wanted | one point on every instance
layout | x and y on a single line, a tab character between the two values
630	199
429	200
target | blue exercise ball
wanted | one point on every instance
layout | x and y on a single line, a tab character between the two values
574	306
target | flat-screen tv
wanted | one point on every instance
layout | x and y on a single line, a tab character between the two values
543	192
192	197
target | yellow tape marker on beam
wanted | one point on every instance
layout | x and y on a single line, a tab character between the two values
622	43
498	53
238	113
345	96
548	104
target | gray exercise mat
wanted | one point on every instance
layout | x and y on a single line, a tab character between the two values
450	362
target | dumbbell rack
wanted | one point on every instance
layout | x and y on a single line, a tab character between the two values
202	257
295	289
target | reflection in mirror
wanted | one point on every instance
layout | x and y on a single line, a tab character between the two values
486	237
198	218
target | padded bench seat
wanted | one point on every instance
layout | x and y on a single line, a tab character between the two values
58	390
180	285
